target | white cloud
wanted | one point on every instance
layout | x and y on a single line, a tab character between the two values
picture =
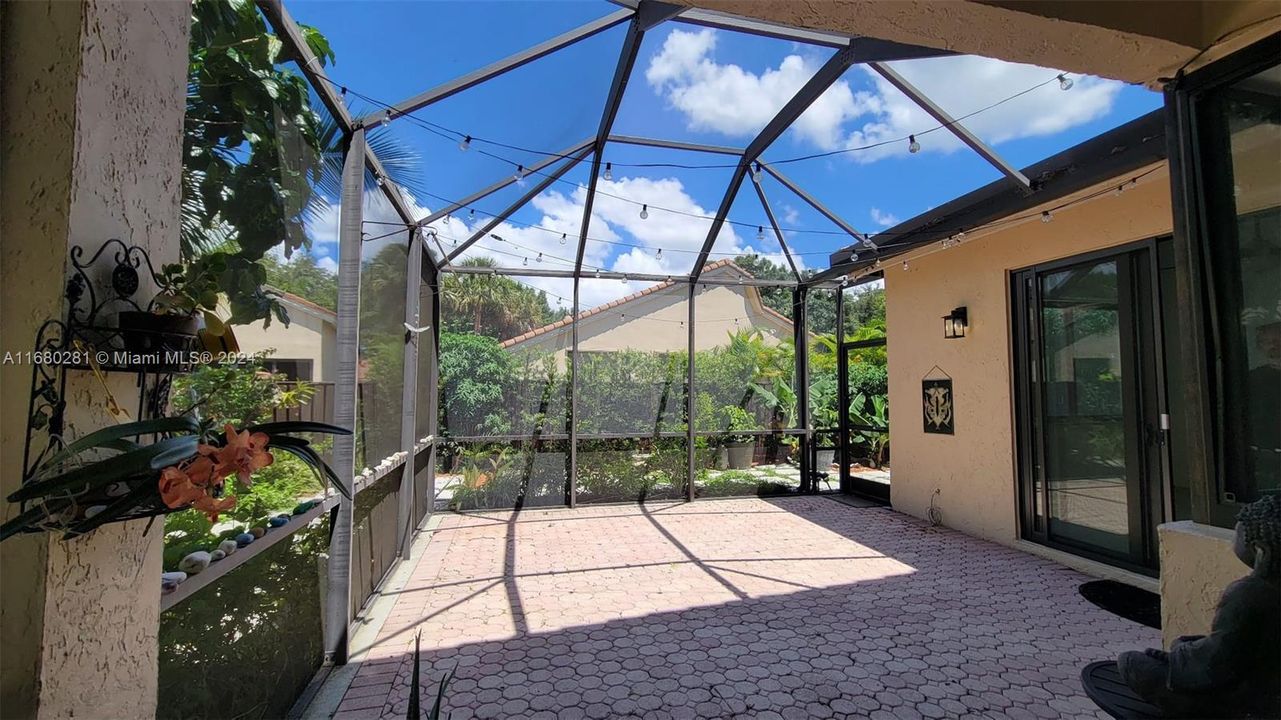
790	214
679	234
884	219
726	98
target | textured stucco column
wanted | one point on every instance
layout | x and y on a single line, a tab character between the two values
93	100
1197	563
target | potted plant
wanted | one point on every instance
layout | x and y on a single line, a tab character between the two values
877	416
741	446
824	416
187	304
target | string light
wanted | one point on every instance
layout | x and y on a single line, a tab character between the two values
471	214
644	213
658	255
597	274
342	95
1046	216
1065	82
609	171
380	180
756	172
386	119
912	145
520	172
905	265
760	233
466	143
539	258
563	238
524	262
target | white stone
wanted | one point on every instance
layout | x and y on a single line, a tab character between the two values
195	562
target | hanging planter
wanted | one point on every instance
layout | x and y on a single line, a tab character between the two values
109	476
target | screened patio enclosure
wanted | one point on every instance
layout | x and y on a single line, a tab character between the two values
501	336
666	391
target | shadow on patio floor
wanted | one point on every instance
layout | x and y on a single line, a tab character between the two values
790	607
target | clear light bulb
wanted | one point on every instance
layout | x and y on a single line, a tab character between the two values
471	214
1065	82
524	262
466	143
1046	216
658	255
386	119
760	233
597	274
912	145
520	172
756	173
609	171
539	258
563	238
381	181
644	213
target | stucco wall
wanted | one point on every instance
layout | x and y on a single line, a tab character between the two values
94	97
1196	564
310	336
974	469
38	119
657	322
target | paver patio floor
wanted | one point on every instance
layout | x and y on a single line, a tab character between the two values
792	607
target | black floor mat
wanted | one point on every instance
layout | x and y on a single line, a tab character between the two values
1129	602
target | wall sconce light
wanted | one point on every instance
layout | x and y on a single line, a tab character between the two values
956	323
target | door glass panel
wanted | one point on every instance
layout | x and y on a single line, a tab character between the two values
1084	426
1243	186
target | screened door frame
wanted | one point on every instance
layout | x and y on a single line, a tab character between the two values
1145	409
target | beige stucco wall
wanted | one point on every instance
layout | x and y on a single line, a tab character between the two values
93	105
658	323
1196	564
311	335
974	469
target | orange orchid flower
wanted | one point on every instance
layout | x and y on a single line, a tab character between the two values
243	454
211	506
176	488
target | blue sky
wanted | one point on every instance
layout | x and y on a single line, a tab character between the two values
692	84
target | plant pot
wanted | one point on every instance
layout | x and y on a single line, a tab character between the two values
824	460
740	455
145	332
722	458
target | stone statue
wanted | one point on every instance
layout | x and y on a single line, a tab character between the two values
1235	671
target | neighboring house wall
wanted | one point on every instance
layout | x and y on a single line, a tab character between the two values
975	468
311	335
656	321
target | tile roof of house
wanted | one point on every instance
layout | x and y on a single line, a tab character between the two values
303	302
565	321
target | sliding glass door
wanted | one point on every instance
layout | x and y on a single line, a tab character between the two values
1090	435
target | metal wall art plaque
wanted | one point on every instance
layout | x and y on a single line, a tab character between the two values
938	407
